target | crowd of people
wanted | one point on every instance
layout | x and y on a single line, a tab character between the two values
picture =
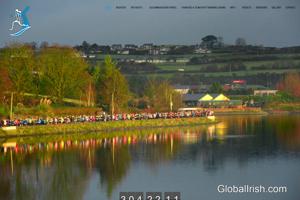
30	121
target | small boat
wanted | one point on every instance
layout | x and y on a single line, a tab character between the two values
9	144
9	128
212	117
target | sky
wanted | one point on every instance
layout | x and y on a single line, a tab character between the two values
70	22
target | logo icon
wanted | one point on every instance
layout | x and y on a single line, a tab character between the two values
21	20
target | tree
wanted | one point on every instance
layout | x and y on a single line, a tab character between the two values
194	61
240	42
89	91
85	47
209	41
111	86
18	62
216	88
63	71
5	84
162	96
290	84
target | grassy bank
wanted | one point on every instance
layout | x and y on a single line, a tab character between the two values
104	126
239	111
278	108
103	135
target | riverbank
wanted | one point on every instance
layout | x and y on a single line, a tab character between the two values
283	108
238	111
104	126
133	134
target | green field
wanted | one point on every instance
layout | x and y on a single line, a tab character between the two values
254	63
187	68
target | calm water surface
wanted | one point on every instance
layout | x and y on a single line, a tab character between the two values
252	150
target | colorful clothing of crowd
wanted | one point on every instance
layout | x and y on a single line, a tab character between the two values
30	121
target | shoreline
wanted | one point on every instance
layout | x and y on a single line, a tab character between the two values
229	113
260	112
62	129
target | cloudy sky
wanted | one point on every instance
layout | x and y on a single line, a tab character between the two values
97	21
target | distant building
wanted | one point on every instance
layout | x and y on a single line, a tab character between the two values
206	100
193	100
227	87
124	52
201	51
140	60
147	46
182	60
154	51
91	56
220	97
164	50
203	88
182	89
116	47
240	82
156	61
264	92
130	46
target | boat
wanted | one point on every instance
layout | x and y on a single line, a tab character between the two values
212	117
9	128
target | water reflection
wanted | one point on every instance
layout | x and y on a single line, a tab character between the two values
62	167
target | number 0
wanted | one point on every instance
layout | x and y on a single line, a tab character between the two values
131	198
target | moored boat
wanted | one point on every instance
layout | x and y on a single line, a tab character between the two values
9	128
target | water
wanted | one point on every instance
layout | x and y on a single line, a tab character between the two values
252	150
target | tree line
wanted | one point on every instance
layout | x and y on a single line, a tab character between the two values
60	72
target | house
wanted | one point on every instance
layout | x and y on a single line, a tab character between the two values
164	50
201	51
265	92
147	46
116	47
154	51
130	47
124	52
